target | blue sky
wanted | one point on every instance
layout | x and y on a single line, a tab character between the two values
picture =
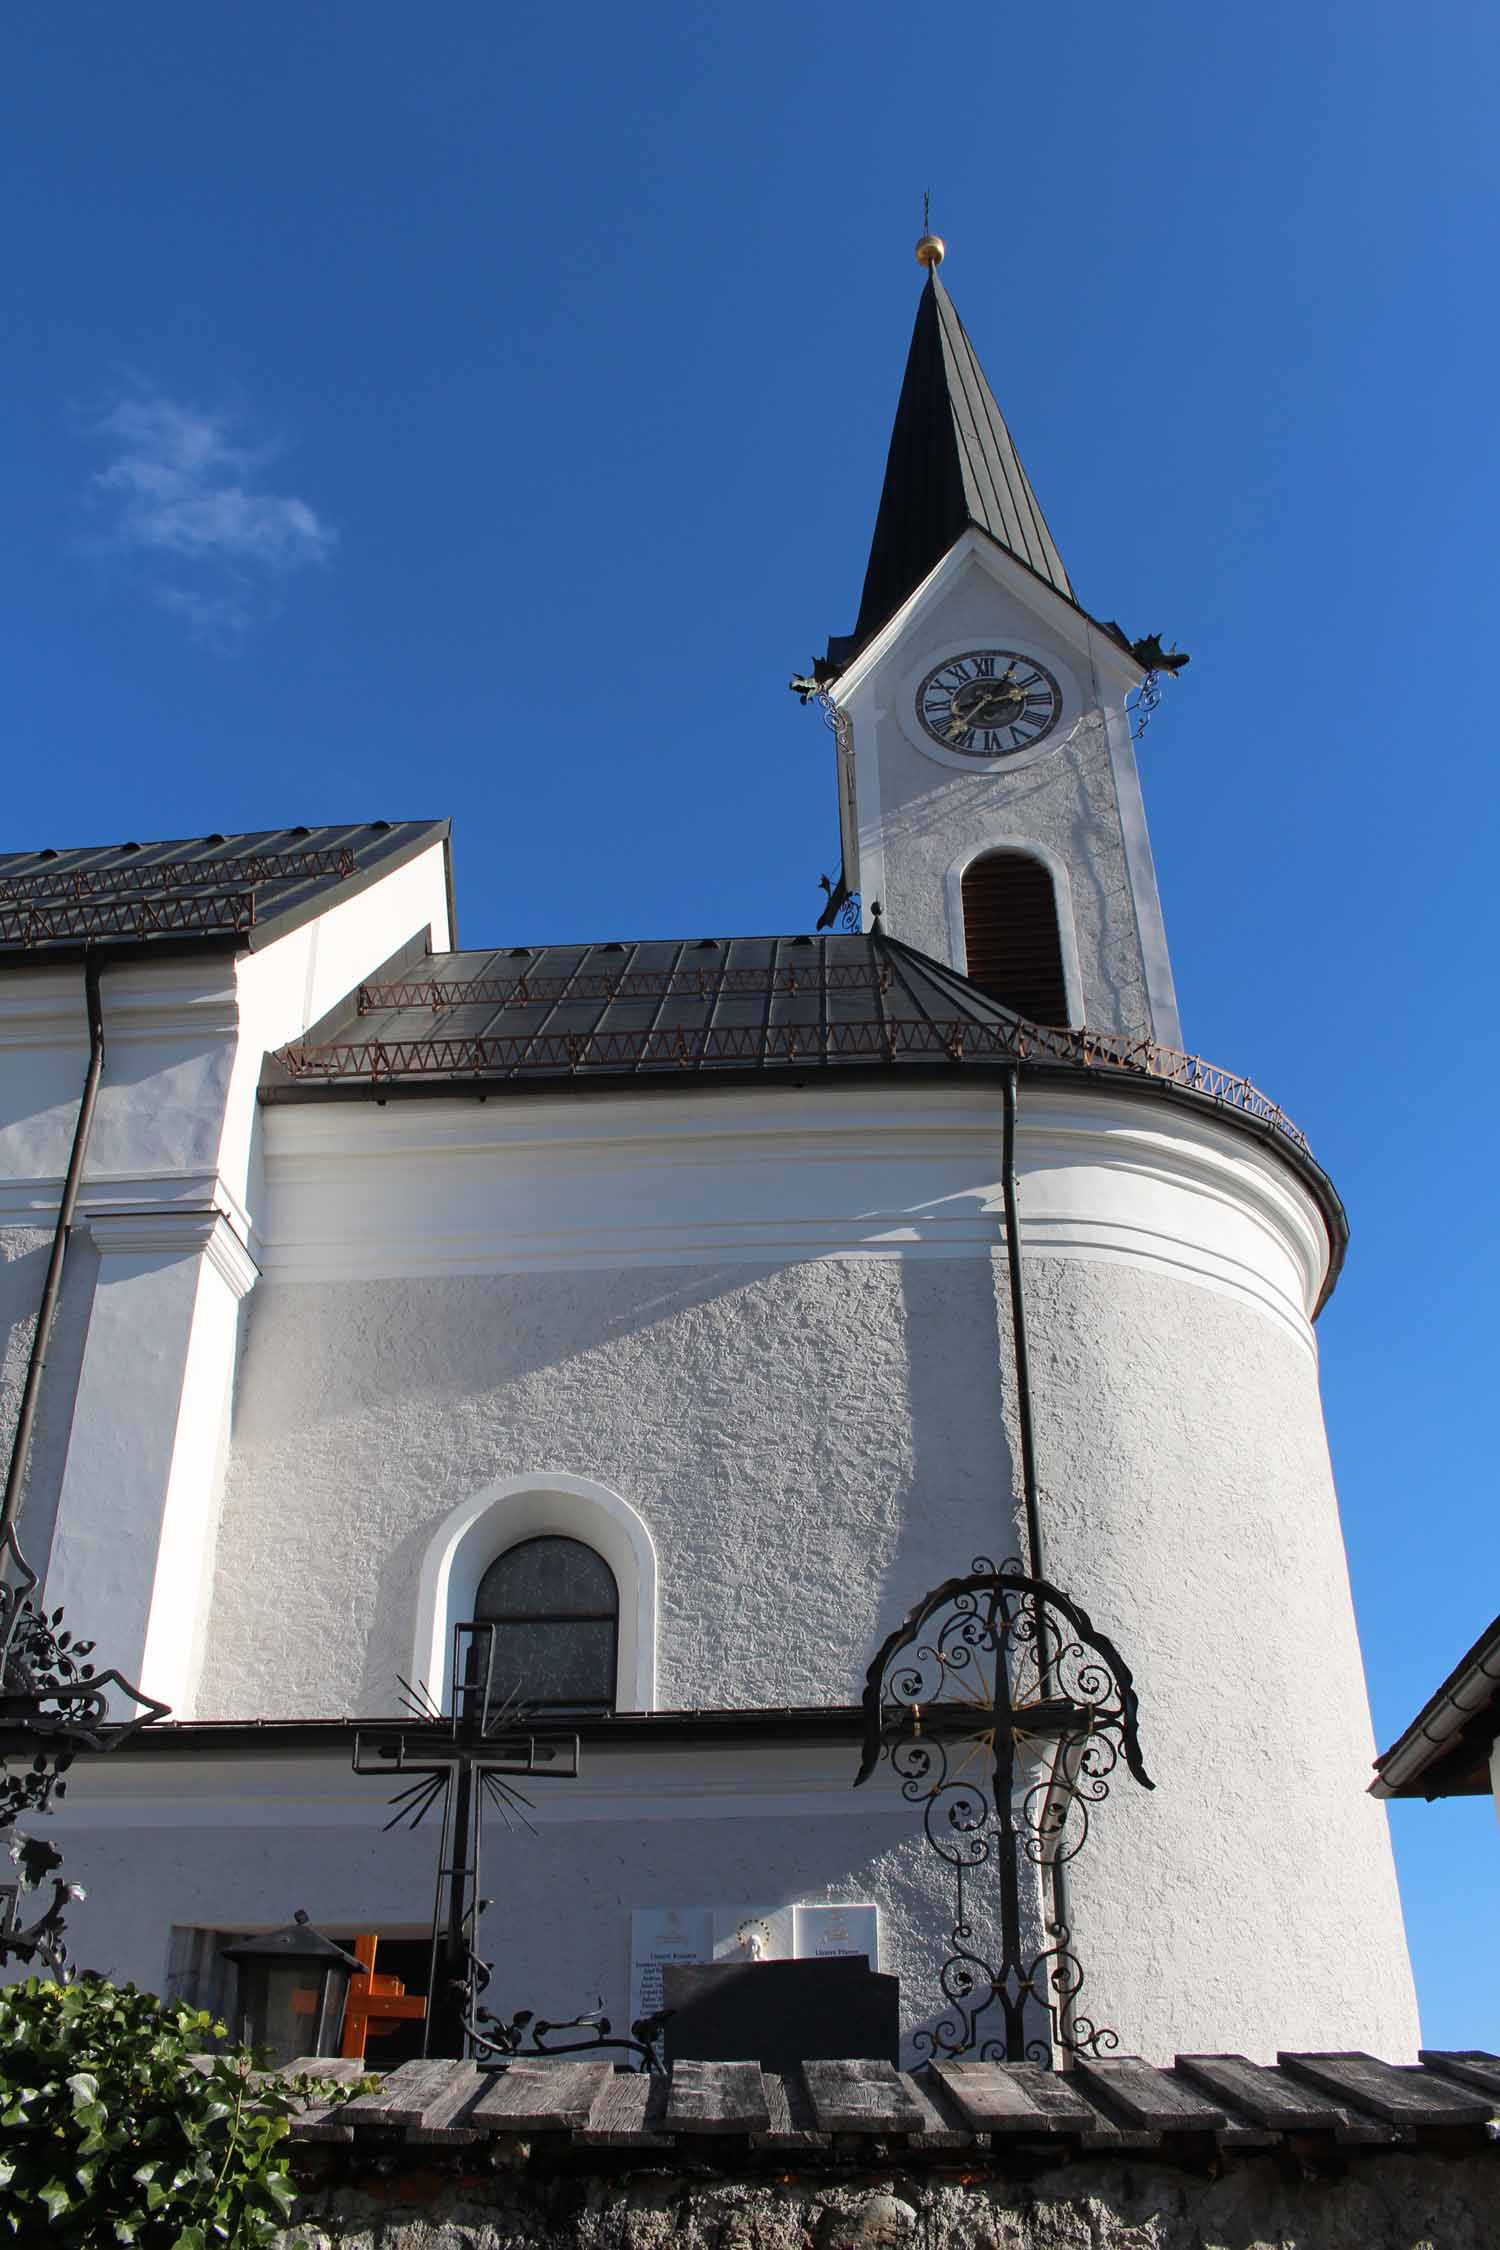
482	411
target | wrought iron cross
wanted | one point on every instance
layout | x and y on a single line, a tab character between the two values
53	1703
472	1756
980	1671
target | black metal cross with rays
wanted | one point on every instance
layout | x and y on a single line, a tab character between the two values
467	1758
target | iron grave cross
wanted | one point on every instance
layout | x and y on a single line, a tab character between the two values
482	1740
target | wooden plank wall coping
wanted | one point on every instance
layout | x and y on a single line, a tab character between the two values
733	2112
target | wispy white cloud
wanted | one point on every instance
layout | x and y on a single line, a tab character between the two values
191	514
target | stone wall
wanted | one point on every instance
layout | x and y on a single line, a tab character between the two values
1385	2201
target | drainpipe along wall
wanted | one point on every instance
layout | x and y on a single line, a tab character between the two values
20	1450
1056	1868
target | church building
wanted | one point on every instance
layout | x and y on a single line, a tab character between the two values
685	1309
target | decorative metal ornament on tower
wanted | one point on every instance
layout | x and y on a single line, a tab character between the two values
1005	1712
931	248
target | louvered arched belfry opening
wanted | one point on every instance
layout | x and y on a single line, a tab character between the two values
1011	939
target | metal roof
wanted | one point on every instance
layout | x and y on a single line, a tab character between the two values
648	1006
211	892
678	1009
952	463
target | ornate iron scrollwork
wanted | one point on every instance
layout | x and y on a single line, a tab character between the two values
1005	1712
53	1703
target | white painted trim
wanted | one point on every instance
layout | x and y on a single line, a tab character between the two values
24	1199
526	1507
744	1176
867	797
182	1234
1021	847
643	1782
1151	930
142	1000
1069	623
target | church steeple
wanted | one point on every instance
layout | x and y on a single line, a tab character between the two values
952	463
988	793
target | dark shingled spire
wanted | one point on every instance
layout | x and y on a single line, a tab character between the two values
952	463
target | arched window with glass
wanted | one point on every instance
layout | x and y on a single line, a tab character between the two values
555	1609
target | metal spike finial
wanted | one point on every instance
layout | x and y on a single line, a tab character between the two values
932	249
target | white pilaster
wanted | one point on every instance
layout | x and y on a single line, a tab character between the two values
135	1518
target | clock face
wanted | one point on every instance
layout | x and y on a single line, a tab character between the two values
989	703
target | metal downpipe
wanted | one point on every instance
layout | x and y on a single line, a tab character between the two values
1011	1085
20	1451
1056	1869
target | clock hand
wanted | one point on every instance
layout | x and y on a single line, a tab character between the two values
993	698
987	711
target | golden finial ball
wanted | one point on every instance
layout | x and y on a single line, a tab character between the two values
931	251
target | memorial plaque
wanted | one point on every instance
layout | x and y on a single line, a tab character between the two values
659	1935
837	1933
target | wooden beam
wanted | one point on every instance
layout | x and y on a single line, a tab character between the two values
1471	2066
860	2097
717	2097
1265	2096
991	2098
1405	2098
1150	2097
542	2097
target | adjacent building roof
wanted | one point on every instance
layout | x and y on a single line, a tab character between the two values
1445	1752
952	463
219	892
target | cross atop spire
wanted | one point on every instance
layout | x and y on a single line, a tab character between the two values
952	463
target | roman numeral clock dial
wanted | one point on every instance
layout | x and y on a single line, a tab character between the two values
989	703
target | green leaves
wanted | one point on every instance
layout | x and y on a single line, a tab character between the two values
113	2131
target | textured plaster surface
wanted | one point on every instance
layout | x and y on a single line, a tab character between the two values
24	1251
811	1447
1384	2202
1187	1499
802	1443
930	814
571	1888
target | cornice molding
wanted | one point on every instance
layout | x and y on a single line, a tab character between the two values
42	1005
28	1197
180	1232
358	1193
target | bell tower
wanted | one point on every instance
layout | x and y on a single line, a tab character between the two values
989	797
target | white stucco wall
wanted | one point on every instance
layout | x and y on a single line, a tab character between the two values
122	1492
248	1842
775	1324
799	1439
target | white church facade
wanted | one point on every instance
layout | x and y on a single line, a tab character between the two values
655	1299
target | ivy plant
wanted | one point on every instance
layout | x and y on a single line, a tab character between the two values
115	2127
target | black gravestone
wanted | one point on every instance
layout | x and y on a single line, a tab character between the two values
779	2013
